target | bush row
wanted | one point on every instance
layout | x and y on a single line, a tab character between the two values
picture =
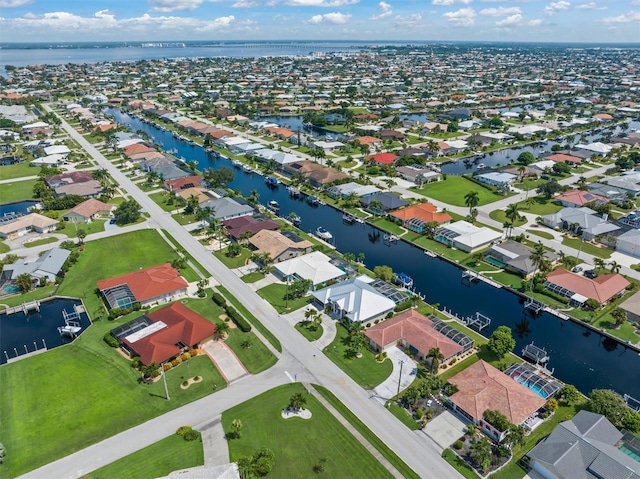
219	300
238	320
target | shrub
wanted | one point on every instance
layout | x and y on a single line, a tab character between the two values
167	366
174	362
419	413
402	306
185	383
242	323
458	444
218	299
111	341
191	435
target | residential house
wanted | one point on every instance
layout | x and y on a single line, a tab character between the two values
632	308
581	220
417	333
87	211
578	198
482	387
48	265
315	267
497	179
227	208
355	300
22	225
87	189
325	176
391	135
55	181
385	202
417	217
158	284
516	257
163	334
466	237
280	246
345	190
564	158
629	243
382	158
418	174
236	227
579	288
193	181
585	446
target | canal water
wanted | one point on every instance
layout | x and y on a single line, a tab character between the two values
578	356
20	207
22	333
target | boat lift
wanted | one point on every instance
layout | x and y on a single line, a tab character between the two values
479	322
534	305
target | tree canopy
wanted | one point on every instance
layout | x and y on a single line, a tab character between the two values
501	341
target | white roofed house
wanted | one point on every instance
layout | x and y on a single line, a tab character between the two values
497	179
355	300
583	221
466	237
48	266
315	267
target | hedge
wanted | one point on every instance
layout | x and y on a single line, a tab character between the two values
218	299
238	320
110	340
402	306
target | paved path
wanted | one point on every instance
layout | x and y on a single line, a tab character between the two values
214	443
329	331
299	357
226	360
401	362
22	178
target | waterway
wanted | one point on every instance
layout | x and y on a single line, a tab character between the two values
20	207
579	357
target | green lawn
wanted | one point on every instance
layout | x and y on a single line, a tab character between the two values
257	358
253	277
309	330
40	242
156	460
540	207
4	248
275	294
233	262
17	191
19	170
541	233
160	199
184	219
252	319
374	440
499	215
298	444
403	416
387	225
587	247
366	371
459	465
91	393
71	231
453	190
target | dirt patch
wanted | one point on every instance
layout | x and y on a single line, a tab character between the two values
190	381
301	413
226	319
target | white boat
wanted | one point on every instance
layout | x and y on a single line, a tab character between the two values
323	233
236	163
247	169
273	205
481	166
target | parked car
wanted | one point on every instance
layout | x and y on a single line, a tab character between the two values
576	269
591	274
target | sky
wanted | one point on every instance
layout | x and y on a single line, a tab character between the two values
399	20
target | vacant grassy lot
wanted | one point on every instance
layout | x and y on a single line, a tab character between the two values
156	460
9	172
299	444
541	233
275	294
366	371
454	188
587	247
17	191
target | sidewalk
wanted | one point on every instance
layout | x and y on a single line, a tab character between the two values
214	443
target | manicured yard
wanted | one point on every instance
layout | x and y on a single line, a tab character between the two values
366	371
156	460
40	242
8	172
387	225
298	444
233	262
403	416
587	247
71	229
309	330
541	233
540	206
17	191
499	215
275	294
454	188
253	277
161	198
184	219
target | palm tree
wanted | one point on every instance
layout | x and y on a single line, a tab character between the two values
522	170
599	263
538	258
435	356
512	213
471	200
253	196
433	147
375	207
192	204
614	267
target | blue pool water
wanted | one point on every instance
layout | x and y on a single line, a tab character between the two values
11	288
534	387
21	334
632	454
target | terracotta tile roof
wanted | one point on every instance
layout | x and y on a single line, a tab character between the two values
602	289
91	207
561	157
368	140
137	148
182	326
275	243
416	330
148	283
423	211
69	177
581	198
384	158
183	183
482	387
237	226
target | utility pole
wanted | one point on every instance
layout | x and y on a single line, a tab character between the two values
400	378
164	377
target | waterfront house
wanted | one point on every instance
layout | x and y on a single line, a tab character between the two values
417	333
579	288
497	179
48	265
227	208
629	243
583	221
158	284
585	446
325	176
161	335
387	202
632	307
418	174
417	217
280	246
22	225
466	237
355	299
515	257
345	190
482	387
87	211
564	158
193	181
315	267
236	227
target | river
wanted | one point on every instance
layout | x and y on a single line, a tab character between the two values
578	356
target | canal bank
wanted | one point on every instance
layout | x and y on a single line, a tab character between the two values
579	356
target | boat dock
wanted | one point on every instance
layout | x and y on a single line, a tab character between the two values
535	354
26	308
479	322
534	305
474	276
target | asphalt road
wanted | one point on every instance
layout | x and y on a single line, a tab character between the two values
299	357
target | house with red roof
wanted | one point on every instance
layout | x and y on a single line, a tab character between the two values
417	217
162	335
411	330
482	387
194	181
578	198
383	158
237	226
564	158
579	288
88	210
158	284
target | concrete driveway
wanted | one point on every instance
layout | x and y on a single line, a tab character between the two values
445	429
225	359
389	388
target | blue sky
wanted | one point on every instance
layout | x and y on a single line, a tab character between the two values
163	20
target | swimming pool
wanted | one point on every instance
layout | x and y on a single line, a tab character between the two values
632	454
11	288
534	387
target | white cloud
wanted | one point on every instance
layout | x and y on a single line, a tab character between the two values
450	2
635	2
320	3
408	21
534	23
630	17
509	21
554	7
245	4
174	5
385	10
334	18
465	17
590	6
14	3
501	11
